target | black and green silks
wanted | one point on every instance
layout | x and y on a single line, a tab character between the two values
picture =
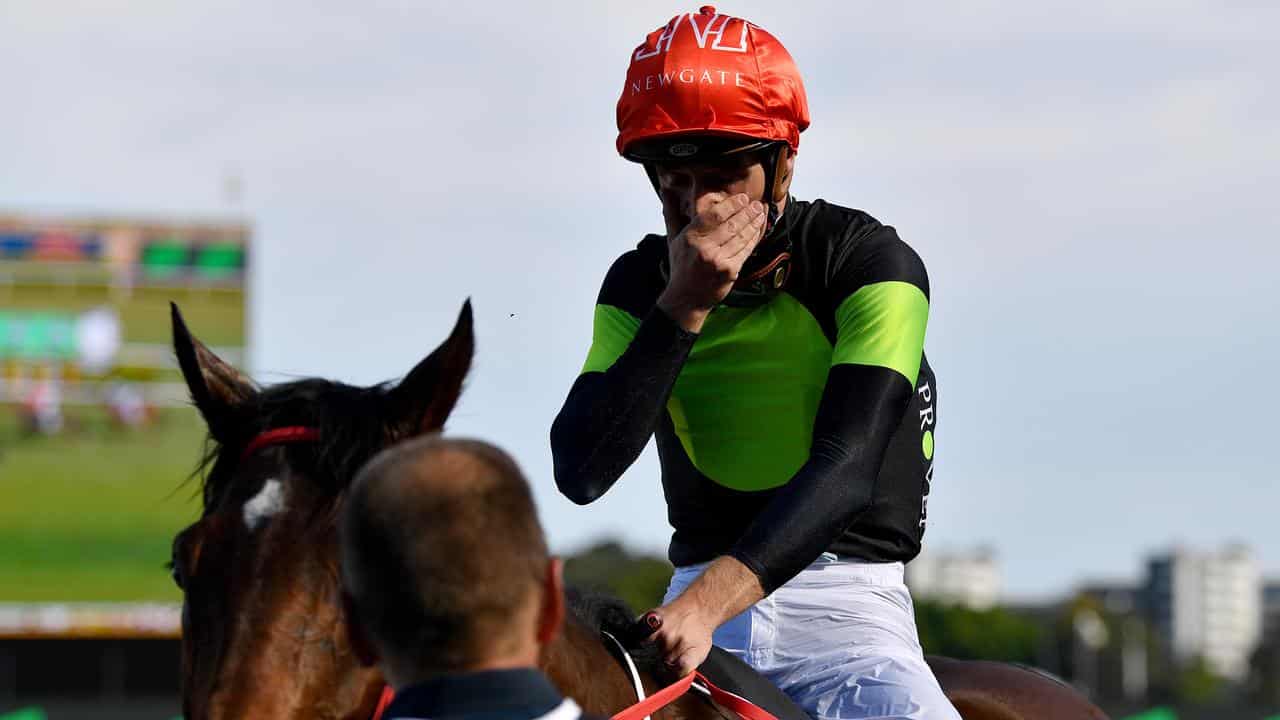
785	430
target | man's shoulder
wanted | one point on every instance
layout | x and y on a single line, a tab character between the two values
635	279
821	222
835	214
855	248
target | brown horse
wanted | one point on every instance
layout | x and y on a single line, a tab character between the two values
263	633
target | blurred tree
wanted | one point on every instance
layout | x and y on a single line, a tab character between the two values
640	580
960	632
1196	684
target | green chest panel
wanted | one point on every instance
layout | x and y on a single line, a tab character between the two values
744	404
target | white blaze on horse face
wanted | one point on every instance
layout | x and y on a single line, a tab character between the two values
268	503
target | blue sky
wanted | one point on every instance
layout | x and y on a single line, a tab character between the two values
1092	187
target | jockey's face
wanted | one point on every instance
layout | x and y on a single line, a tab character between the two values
687	189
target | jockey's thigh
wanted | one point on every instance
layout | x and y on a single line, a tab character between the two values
840	639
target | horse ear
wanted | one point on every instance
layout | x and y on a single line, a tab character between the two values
426	396
216	387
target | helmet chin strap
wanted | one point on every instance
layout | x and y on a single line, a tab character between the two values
775	184
759	286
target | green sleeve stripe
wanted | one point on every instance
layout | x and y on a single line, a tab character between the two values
612	332
883	325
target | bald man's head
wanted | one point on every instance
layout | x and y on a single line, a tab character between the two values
443	558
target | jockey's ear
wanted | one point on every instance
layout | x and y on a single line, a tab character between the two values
426	396
216	387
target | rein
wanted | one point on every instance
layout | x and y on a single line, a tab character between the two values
698	681
645	625
387	696
288	436
620	653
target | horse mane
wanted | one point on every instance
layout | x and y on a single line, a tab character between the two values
350	421
602	612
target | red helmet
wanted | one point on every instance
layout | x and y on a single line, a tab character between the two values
709	75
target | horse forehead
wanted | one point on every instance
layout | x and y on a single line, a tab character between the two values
271	500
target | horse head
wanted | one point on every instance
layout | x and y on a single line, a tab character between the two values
262	627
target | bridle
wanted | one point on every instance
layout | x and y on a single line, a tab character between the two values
288	436
280	436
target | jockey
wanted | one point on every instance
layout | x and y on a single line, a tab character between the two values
775	347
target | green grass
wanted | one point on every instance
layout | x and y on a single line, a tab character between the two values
90	517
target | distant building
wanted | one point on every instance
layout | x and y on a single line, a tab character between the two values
1207	605
968	579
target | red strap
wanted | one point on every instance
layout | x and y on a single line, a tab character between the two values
669	694
736	703
658	700
387	695
280	436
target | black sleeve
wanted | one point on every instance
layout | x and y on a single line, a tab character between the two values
610	415
860	410
862	406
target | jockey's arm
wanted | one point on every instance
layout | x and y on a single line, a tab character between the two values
615	404
880	304
861	408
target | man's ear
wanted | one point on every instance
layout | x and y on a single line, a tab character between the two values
357	636
553	602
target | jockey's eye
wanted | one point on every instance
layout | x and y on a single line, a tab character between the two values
669	179
707	177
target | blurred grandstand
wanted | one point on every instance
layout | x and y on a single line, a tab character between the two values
84	304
